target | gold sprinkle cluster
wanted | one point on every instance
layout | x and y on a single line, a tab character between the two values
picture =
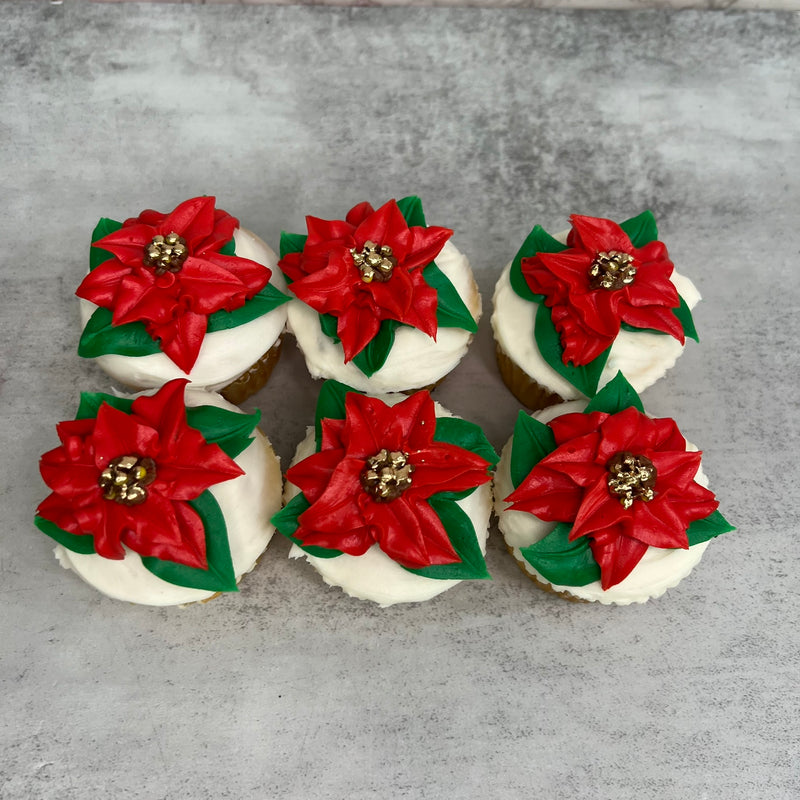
387	475
374	262
611	270
166	253
631	478
125	478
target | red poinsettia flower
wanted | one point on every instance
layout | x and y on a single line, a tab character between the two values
372	477
600	281
124	479
365	269
169	274
625	481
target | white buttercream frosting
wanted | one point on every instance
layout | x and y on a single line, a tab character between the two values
660	569
224	355
416	360
246	503
374	576
642	357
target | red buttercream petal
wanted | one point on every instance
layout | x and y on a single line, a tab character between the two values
250	273
329	232
657	524
357	214
192	219
71	480
444	467
617	555
144	298
312	474
596	235
182	338
424	245
661	319
572	426
119	434
393	299
211	286
166	530
79	517
332	431
336	509
627	430
110	528
164	410
371	425
356	328
354	542
599	511
128	243
415	420
101	285
330	290
225	226
676	469
386	226
411	535
549	495
290	265
422	311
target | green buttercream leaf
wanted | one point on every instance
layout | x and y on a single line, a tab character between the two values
219	577
451	311
329	325
101	337
585	377
538	241
411	209
330	405
374	355
266	300
701	530
230	430
684	315
615	396
561	561
229	248
286	523
96	254
465	434
78	544
292	243
91	402
533	440
641	229
462	536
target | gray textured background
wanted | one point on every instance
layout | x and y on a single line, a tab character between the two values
498	119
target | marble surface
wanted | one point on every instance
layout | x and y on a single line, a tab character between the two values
498	119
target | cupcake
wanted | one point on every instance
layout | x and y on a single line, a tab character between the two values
187	294
383	303
602	503
389	498
571	311
160	500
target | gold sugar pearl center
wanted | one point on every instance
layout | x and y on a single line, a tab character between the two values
631	478
612	270
125	478
387	475
374	262
166	253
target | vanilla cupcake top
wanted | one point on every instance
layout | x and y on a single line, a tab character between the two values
391	476
374	298
147	494
600	281
160	285
609	488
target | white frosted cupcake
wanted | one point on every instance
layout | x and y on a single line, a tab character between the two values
384	303
157	502
389	498
573	310
186	294
601	503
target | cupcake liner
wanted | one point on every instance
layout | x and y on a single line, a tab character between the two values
528	391
255	378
